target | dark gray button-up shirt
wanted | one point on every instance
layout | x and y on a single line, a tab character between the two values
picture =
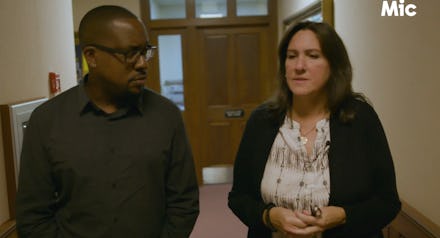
85	173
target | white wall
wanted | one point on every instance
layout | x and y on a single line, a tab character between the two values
37	37
396	63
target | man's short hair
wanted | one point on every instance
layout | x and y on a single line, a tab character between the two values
93	25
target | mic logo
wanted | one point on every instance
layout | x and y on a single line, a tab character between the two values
400	9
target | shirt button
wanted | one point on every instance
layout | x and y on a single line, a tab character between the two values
113	185
115	219
112	150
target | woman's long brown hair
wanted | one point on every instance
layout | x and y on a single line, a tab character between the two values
339	88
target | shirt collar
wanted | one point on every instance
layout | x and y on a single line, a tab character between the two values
85	104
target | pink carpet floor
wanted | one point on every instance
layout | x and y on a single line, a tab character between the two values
216	220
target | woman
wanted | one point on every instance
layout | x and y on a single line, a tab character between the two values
314	161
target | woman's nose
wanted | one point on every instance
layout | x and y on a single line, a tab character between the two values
300	64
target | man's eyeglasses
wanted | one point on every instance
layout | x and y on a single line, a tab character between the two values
130	56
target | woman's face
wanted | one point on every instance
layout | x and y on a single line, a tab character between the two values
307	70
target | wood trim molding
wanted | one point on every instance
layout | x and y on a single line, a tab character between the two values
327	12
8	155
410	223
12	115
7	229
423	221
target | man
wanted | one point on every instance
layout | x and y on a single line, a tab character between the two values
108	158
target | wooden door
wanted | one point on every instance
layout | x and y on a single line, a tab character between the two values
235	75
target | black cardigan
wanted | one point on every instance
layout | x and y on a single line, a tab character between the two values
362	178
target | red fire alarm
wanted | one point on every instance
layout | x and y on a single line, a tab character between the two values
54	82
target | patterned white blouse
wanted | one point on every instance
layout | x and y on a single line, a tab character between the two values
292	178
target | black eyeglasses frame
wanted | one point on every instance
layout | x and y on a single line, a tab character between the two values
131	55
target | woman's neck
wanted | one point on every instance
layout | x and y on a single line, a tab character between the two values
303	108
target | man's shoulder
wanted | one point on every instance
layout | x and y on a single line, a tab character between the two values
49	111
58	100
152	99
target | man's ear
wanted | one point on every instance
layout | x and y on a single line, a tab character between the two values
89	53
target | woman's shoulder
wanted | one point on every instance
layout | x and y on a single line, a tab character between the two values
262	109
363	105
264	113
261	121
364	109
360	103
354	108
